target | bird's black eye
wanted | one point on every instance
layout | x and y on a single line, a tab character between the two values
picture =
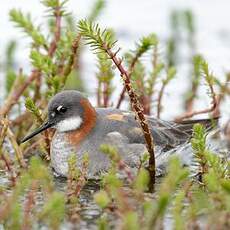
61	109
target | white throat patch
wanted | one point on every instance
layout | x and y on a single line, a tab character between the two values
69	124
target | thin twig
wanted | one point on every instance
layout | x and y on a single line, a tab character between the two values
190	101
152	79
224	90
121	98
57	33
17	149
9	169
139	114
193	113
72	59
4	124
131	69
22	117
12	99
215	104
6	131
227	130
160	100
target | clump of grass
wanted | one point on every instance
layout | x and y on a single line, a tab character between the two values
15	215
77	178
180	194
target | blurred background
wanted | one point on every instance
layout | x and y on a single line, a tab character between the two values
132	19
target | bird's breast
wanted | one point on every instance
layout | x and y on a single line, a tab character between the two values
61	151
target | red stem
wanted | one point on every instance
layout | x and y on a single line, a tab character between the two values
139	113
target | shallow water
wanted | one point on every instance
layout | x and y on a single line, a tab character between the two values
89	212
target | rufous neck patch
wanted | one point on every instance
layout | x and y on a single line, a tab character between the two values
89	121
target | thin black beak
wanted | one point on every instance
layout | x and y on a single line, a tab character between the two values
37	131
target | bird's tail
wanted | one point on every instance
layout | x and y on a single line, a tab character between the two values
187	126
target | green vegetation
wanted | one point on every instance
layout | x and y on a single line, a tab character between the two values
183	198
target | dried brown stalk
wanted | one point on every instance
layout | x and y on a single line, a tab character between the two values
4	123
72	59
193	113
6	131
52	48
9	168
139	114
125	206
17	149
227	131
18	90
